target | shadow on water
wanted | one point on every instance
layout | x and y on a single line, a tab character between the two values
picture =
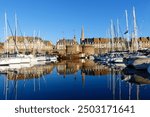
79	79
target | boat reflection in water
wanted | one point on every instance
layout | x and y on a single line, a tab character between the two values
139	78
79	79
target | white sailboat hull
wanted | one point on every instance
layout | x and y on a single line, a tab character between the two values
14	60
129	61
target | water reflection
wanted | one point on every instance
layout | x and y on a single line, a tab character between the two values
80	79
139	78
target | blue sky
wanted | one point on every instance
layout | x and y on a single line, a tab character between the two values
64	18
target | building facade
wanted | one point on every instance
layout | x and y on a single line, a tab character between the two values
104	45
27	44
68	46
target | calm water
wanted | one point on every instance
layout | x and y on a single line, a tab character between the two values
74	80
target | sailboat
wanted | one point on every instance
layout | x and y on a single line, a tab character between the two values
41	57
115	57
17	58
136	59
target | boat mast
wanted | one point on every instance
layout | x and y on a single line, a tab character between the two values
135	30
34	37
6	33
118	33
109	42
39	49
112	35
127	30
16	39
25	41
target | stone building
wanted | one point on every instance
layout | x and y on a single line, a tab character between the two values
140	44
103	45
88	49
144	42
27	44
1	48
68	46
94	45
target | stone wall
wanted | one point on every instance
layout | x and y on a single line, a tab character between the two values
88	49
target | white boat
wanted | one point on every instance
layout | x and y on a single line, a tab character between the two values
18	59
12	67
116	60
41	58
115	57
102	58
130	60
52	59
91	57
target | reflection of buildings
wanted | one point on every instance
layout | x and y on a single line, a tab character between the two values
87	68
13	77
92	68
29	73
68	67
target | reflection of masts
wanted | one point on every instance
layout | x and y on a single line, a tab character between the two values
16	87
75	76
39	84
110	78
41	70
6	87
25	75
43	76
120	89
114	85
83	79
107	76
34	81
138	91
130	89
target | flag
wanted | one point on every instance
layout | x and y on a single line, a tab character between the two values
126	32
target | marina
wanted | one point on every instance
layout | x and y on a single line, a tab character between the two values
72	58
115	66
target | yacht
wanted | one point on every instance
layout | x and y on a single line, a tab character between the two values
17	59
129	61
51	59
141	63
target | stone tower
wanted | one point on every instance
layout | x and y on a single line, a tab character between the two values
82	35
